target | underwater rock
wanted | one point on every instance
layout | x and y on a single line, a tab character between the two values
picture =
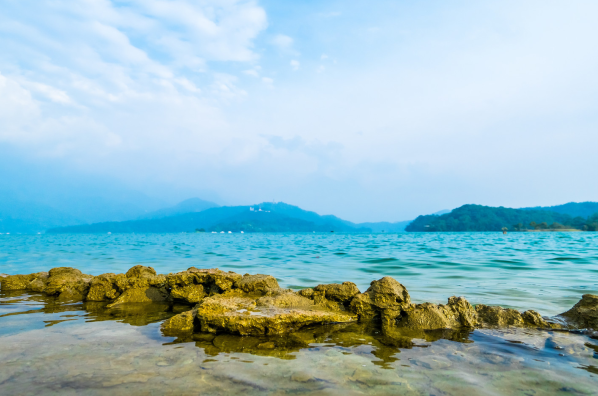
69	284
21	282
584	314
242	315
498	316
106	287
260	284
382	294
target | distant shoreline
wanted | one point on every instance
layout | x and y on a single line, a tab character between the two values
558	230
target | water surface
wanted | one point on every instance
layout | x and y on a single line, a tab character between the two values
47	347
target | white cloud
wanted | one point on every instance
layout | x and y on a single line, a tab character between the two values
267	81
282	41
251	72
295	65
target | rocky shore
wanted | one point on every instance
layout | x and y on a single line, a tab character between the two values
255	305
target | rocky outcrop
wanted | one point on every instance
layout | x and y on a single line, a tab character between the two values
106	287
259	284
23	282
68	284
382	294
457	313
584	314
226	302
243	315
142	285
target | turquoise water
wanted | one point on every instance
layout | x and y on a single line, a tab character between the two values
47	347
547	272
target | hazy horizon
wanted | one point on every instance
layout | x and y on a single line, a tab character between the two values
368	111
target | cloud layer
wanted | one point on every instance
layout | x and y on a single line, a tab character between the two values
369	112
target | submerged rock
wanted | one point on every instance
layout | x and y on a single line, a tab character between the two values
584	314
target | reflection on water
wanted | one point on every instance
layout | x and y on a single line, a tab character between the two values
48	347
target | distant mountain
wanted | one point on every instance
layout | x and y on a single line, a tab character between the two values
384	226
486	218
191	205
575	209
265	217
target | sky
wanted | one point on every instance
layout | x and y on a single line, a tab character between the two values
369	110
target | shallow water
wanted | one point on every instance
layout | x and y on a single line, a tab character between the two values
47	347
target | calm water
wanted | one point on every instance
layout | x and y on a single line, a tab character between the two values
47	347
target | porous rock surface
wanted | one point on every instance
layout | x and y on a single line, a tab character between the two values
227	302
584	314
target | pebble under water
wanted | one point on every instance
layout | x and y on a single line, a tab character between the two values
47	347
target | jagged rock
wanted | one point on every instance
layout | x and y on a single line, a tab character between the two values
498	316
69	284
187	285
242	315
385	293
140	271
584	314
259	284
181	323
222	279
285	300
142	295
456	313
20	282
106	287
307	293
533	318
342	293
190	293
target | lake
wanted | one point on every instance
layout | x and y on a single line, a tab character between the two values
47	347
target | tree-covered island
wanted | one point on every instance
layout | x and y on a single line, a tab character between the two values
487	218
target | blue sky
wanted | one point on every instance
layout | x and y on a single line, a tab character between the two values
368	110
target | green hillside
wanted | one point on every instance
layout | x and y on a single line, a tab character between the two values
574	209
486	218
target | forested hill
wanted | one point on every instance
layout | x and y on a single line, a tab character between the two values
265	217
486	218
574	209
